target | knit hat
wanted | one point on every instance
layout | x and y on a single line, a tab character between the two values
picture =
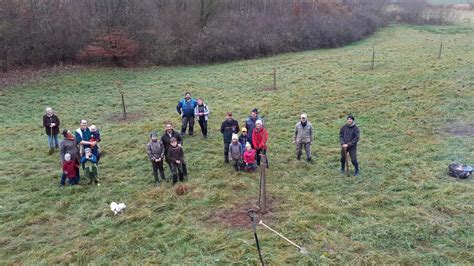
234	136
87	150
247	145
153	134
351	117
67	156
254	110
259	122
244	129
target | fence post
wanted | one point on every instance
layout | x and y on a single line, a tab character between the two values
123	106
274	79
262	196
440	48
373	58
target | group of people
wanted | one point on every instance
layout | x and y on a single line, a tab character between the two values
80	148
246	152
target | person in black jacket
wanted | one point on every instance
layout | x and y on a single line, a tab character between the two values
51	126
229	126
166	139
348	137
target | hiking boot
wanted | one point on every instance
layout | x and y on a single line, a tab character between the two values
342	171
309	159
298	158
51	151
356	173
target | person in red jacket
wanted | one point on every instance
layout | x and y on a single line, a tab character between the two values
249	158
69	171
259	140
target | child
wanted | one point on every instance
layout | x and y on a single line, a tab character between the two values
243	139
95	137
69	171
249	158
235	152
175	156
89	165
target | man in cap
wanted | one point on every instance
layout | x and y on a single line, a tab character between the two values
229	126
185	108
348	137
303	137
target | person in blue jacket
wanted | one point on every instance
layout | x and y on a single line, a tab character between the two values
89	165
185	108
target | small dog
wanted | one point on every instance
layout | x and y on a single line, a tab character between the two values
117	208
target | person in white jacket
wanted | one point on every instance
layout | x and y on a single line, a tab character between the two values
201	111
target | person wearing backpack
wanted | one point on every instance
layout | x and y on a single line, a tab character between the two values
185	108
202	112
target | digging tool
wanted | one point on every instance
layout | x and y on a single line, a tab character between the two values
302	249
251	214
347	162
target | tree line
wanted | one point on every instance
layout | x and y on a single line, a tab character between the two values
169	32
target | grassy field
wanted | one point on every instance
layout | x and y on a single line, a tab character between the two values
415	113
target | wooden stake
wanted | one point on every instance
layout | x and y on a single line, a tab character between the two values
440	48
373	58
123	106
262	197
274	79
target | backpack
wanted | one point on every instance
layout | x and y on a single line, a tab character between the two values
459	170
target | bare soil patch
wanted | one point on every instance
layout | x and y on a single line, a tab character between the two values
460	129
118	117
18	76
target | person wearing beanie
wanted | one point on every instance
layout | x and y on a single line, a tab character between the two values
69	171
250	124
89	165
243	139
249	158
175	156
185	108
202	112
51	126
303	137
259	139
235	152
228	127
156	154
349	137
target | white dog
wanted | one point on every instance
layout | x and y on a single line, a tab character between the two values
117	208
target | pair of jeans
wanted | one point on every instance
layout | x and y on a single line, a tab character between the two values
203	125
185	120
53	141
71	181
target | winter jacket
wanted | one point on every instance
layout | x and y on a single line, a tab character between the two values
175	153
166	139
303	134
186	108
69	168
202	109
259	138
85	161
249	156
69	146
243	141
47	120
155	150
228	128
349	134
250	124
235	151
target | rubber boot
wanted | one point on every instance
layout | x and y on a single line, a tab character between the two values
175	179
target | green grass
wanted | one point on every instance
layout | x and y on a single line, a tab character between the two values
403	209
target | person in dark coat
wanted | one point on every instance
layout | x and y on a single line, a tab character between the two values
250	124
349	137
156	154
51	125
166	139
69	145
185	108
175	156
229	126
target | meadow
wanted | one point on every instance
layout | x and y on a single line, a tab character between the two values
415	112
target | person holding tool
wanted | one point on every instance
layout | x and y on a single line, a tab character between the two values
348	137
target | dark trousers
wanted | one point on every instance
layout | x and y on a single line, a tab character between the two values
226	152
353	154
237	163
261	151
158	166
71	181
177	170
299	149
185	120
203	125
185	168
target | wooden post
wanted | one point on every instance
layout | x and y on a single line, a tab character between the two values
274	79
123	106
440	48
373	58
262	196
